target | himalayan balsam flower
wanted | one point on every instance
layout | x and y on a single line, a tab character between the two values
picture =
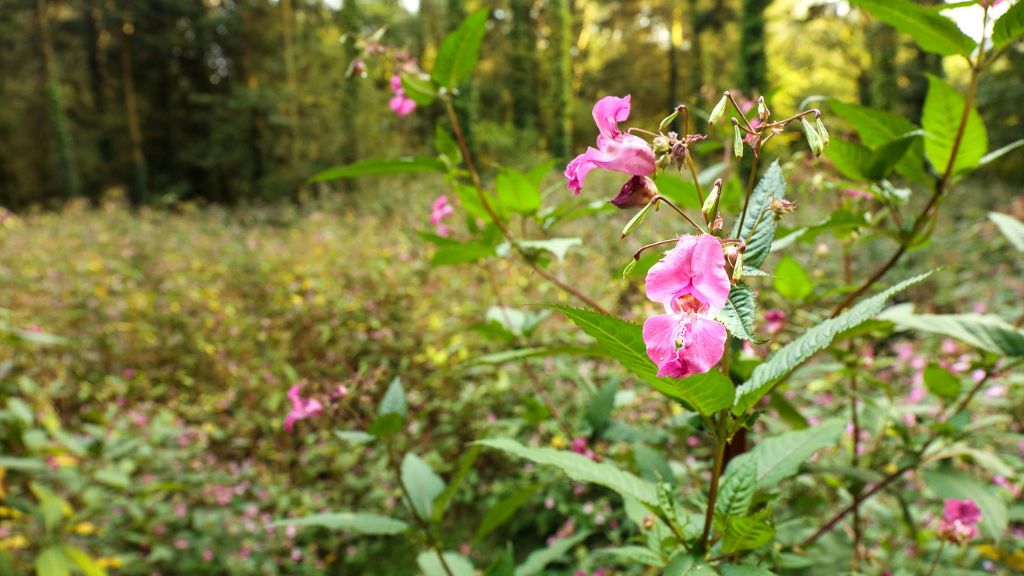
960	521
302	408
440	210
691	282
616	150
400	103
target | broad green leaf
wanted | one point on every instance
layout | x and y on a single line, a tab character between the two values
422	484
736	492
393	401
876	128
380	168
791	280
780	457
52	562
556	246
633	555
355	522
792	355
442	502
684	564
1009	26
740	570
504	565
890	154
739	311
706	393
941	382
932	32
1012	228
420	90
431	565
771	186
943	108
469	199
83	561
457	55
504	509
957	485
386	425
982	331
581	469
748	532
516	192
537	561
462	253
850	158
599	410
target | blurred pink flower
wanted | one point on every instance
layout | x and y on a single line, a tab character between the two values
774	321
302	408
400	103
616	150
440	210
960	521
690	281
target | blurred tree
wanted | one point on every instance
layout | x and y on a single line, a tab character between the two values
560	135
350	28
753	67
67	172
140	175
523	64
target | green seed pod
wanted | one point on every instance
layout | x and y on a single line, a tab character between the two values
821	130
813	139
717	111
737	141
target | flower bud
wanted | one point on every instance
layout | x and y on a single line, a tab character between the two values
636	192
734	260
717	111
762	109
712	199
780	206
820	126
737	141
661	144
813	139
635	221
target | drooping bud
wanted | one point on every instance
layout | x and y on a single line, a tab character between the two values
356	68
762	109
737	268
712	199
717	111
636	192
820	126
667	120
813	139
737	140
635	221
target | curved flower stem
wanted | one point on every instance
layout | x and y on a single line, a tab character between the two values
642	249
396	467
475	175
672	205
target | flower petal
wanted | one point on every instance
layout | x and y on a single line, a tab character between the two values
705	344
671	275
660	334
608	112
709	278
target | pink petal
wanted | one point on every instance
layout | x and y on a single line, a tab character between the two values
710	279
705	345
608	112
660	334
396	84
670	275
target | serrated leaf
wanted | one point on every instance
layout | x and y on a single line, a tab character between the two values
393	401
982	331
941	382
83	561
1012	228
811	342
736	492
380	167
503	510
748	532
957	485
943	108
1009	26
431	565
581	469
458	53
537	561
420	90
780	457
422	484
623	341
933	32
355	522
772	185
739	312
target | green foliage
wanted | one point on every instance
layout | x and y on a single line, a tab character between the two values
736	491
504	509
771	186
982	331
943	110
354	522
780	457
748	532
431	565
538	561
516	192
684	564
458	53
877	130
380	168
814	340
1009	26
791	280
420	90
941	382
52	562
932	31
1012	228
422	485
739	313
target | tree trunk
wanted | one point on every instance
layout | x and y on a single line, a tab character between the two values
292	94
67	172
140	174
753	68
560	138
523	65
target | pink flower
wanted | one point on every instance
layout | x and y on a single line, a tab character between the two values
400	103
774	321
690	281
440	210
302	408
616	150
960	521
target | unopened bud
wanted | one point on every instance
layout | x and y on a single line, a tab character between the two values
737	141
734	260
648	522
667	120
717	111
356	68
629	268
821	130
737	268
813	139
661	144
712	199
636	192
636	220
718	224
780	206
762	109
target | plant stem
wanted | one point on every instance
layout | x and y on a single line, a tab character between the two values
938	556
660	198
693	173
750	188
716	474
475	175
636	255
431	539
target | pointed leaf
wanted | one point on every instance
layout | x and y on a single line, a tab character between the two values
738	314
933	32
393	401
537	561
748	532
1012	228
355	522
982	331
500	513
736	492
943	108
380	168
431	565
422	484
780	457
1009	26
420	90
457	55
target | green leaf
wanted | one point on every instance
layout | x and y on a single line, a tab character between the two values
355	522
448	149
52	562
393	401
422	484
982	331
633	555
780	457
599	410
876	128
736	492
683	564
957	485
83	561
1000	152
941	382
431	565
457	55
888	155
748	532
420	90
386	425
581	469
729	570
462	253
526	353
932	32
791	280
517	192
504	509
113	477
1009	26
504	565
537	561
772	185
442	502
943	108
51	506
379	167
1012	228
354	436
850	158
738	314
556	246
707	393
792	355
